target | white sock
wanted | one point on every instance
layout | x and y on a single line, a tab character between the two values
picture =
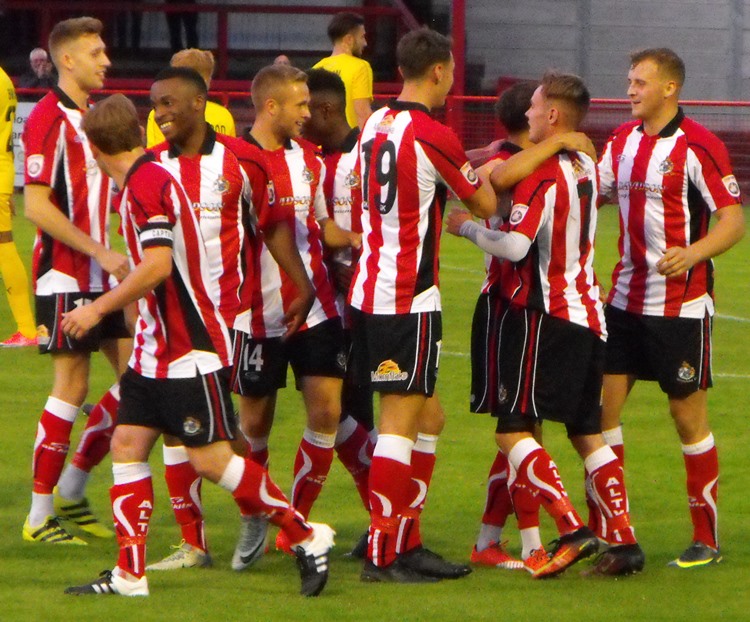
488	534
72	484
42	506
530	541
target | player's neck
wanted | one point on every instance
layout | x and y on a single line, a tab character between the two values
418	93
75	92
653	126
265	136
194	143
341	48
520	139
336	137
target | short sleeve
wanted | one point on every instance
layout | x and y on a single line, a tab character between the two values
40	139
361	86
442	147
529	202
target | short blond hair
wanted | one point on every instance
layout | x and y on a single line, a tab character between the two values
200	60
272	77
70	30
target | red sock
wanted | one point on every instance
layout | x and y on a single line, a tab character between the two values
94	443
132	504
498	505
613	438
702	467
608	493
525	502
184	486
311	467
256	493
355	453
52	443
535	465
390	468
422	468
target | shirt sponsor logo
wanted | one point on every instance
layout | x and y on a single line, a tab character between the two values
388	371
469	174
34	165
518	213
652	191
730	183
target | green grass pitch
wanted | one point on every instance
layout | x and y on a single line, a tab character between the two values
32	577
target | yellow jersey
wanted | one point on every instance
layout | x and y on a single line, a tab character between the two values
8	103
217	117
356	74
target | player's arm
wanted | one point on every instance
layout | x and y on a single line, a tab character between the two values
155	267
728	230
280	242
40	210
506	245
336	237
362	110
506	174
483	203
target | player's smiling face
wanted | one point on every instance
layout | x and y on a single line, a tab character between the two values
647	90
538	116
359	42
178	108
90	62
293	110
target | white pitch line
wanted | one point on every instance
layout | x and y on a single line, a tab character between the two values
733	318
465	355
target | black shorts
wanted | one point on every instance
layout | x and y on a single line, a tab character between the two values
550	369
397	353
485	328
260	365
675	351
49	312
356	399
196	410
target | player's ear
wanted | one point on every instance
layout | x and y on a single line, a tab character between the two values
553	115
670	88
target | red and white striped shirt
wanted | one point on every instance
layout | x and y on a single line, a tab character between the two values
407	163
58	155
343	193
555	208
221	194
180	332
297	175
667	186
495	266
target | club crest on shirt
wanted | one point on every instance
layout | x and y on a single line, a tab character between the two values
384	126
517	214
271	189
467	170
352	180
307	175
686	373
580	170
388	371
221	185
191	426
34	165
666	167
730	183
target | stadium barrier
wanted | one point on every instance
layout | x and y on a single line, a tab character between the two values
473	118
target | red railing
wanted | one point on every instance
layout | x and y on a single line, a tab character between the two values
48	13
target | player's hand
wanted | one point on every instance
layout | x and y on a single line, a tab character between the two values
455	219
676	261
78	322
578	141
355	240
113	262
342	275
297	313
